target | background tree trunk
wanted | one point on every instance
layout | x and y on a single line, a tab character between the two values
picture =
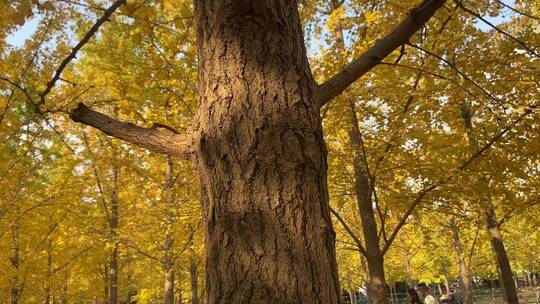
374	257
463	269
14	287
113	263
48	281
113	276
169	286
375	260
446	285
194	279
168	290
261	158
505	271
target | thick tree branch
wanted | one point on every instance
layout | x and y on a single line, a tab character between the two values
149	138
453	173
382	48
170	143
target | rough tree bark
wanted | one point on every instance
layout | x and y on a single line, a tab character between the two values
506	277
261	158
463	269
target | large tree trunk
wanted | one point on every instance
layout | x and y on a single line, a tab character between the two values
374	256
463	269
261	158
505	271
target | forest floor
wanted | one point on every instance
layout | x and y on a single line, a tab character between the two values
526	296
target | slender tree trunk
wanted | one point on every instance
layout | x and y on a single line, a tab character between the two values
410	282
180	299
113	263
194	279
374	257
106	282
14	284
446	285
261	158
168	290
113	276
375	260
526	278
505	271
393	293
63	297
463	269
169	286
48	299
503	263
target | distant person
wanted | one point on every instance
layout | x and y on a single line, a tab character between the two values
426	296
362	298
454	299
412	297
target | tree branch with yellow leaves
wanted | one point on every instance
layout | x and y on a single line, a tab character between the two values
167	142
416	18
455	172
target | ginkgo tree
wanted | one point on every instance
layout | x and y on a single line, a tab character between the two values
404	132
256	137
